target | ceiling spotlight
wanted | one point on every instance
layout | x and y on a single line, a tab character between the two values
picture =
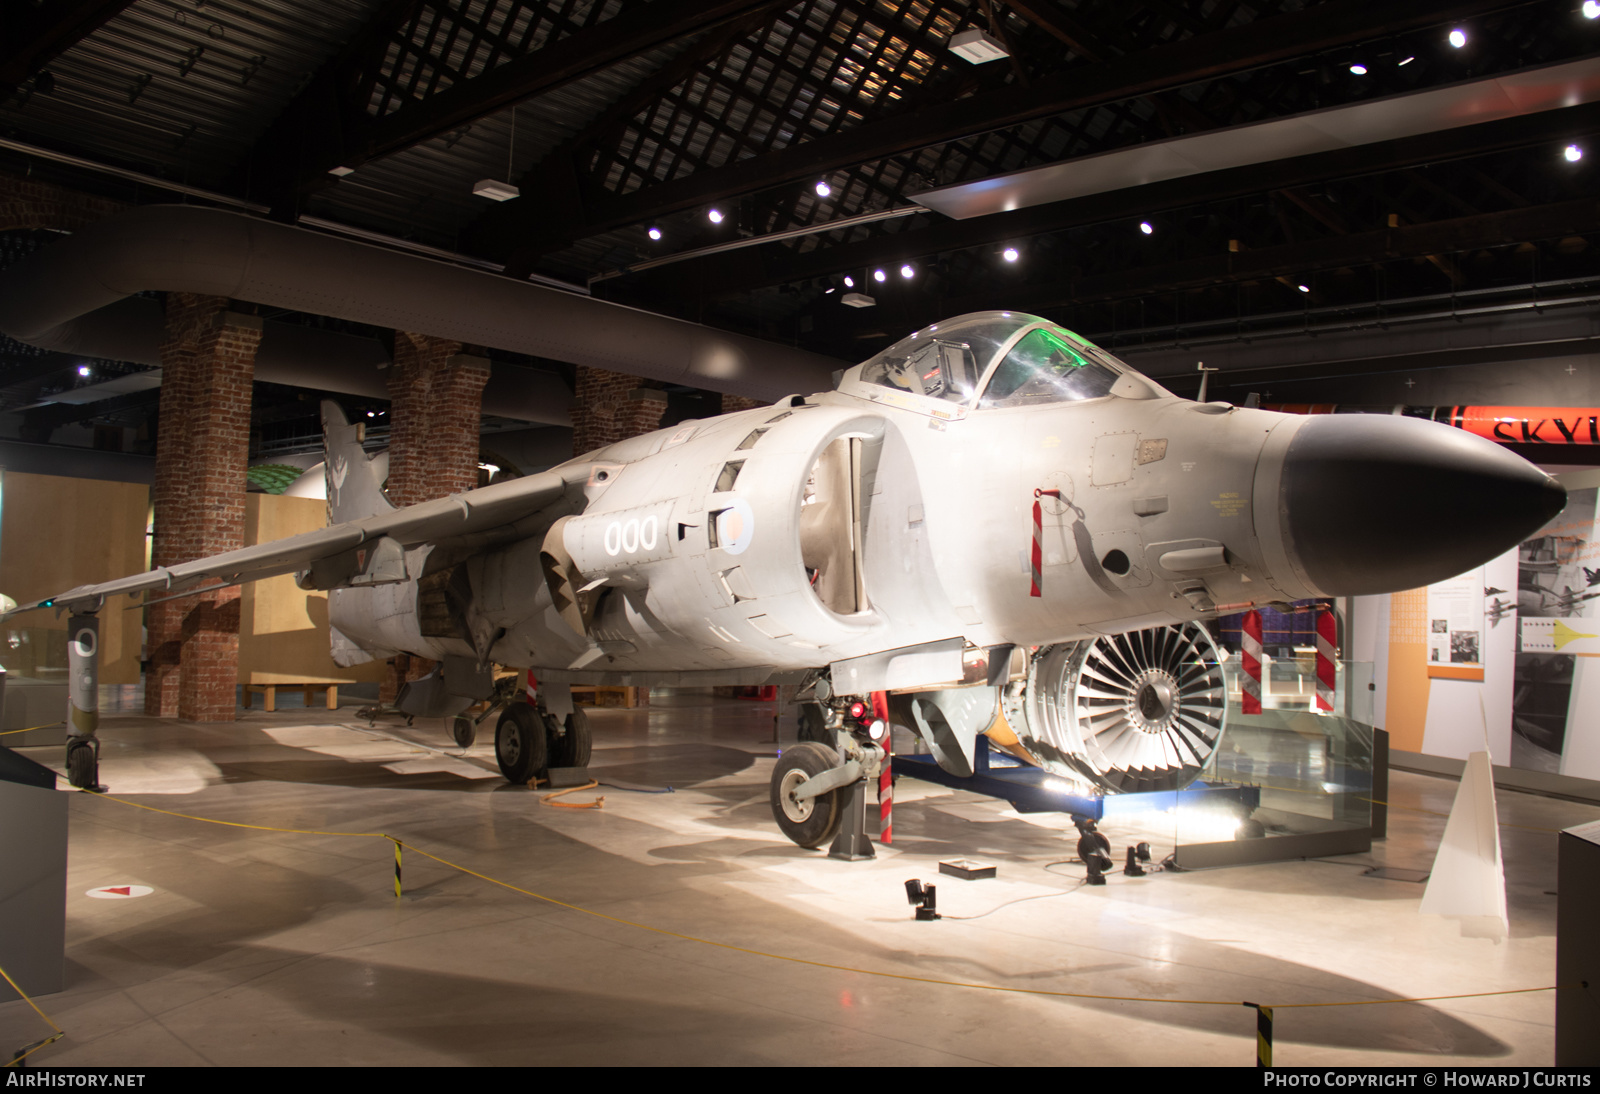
1010	254
715	216
1458	37
823	189
496	191
907	271
655	233
976	47
1303	288
1144	226
83	370
1573	153
1407	61
849	282
879	275
1359	70
1591	9
372	413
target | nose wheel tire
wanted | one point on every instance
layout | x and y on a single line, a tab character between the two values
464	731
519	743
809	822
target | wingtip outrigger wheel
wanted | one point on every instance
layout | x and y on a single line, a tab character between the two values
83	702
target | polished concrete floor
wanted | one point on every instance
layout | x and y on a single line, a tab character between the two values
261	948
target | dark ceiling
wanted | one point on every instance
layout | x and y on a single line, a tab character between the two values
617	116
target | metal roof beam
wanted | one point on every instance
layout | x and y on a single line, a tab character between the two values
329	124
519	235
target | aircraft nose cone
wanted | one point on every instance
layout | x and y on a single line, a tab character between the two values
1375	504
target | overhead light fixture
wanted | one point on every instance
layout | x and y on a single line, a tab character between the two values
857	300
1303	288
1144	226
849	282
1010	254
502	191
495	190
715	216
1458	37
341	172
655	233
83	370
823	189
1358	70
908	271
977	47
879	276
1591	9
1407	61
1573	153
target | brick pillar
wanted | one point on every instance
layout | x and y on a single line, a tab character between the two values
611	407
436	401
731	403
208	365
435	405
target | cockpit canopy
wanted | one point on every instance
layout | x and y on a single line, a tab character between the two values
995	359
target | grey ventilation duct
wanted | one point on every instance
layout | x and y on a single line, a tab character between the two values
53	299
297	356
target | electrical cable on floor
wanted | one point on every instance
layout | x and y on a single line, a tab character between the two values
598	803
1020	900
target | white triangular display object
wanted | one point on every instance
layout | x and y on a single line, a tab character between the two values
1468	880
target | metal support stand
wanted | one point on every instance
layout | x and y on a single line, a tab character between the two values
83	701
852	843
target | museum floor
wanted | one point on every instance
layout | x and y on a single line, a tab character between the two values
259	947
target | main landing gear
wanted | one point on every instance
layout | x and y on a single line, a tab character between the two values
528	741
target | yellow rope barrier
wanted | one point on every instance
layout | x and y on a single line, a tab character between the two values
30	729
399	843
59	1032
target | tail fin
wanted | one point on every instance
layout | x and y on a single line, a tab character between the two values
354	489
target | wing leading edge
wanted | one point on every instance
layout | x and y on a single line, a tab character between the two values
459	518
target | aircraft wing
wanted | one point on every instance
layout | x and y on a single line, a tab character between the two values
459	518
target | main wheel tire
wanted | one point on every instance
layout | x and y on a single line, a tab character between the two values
83	766
813	724
464	730
809	822
569	746
519	746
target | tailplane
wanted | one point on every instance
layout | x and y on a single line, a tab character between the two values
354	489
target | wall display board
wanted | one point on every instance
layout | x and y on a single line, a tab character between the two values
1455	627
1558	609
